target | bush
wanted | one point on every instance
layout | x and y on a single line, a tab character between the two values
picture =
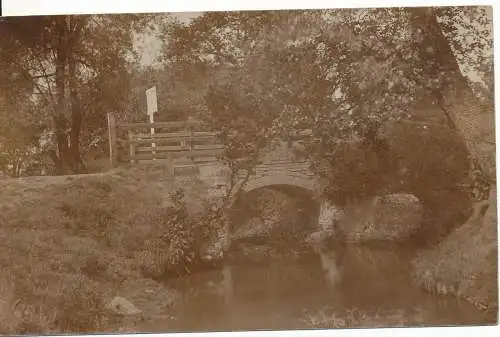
415	159
168	243
177	245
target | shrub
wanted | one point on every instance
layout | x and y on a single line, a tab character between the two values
180	240
416	159
170	247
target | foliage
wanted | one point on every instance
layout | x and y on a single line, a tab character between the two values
244	125
468	30
466	263
44	303
177	246
177	233
77	67
341	73
179	95
19	126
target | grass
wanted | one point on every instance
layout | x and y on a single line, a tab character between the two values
351	318
72	243
465	263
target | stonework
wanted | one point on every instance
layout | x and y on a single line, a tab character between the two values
279	167
328	214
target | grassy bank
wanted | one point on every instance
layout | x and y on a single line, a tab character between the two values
70	244
465	263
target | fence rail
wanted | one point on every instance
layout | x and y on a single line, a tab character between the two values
177	143
160	125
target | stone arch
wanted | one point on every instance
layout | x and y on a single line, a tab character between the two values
281	179
295	187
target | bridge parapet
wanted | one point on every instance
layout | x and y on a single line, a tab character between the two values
186	144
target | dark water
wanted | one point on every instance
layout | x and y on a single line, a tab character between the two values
360	287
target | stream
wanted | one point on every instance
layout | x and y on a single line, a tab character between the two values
359	287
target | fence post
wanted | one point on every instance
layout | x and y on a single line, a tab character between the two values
131	147
171	167
113	156
190	131
190	139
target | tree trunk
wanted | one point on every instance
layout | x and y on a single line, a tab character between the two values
456	98
67	159
447	207
76	120
62	156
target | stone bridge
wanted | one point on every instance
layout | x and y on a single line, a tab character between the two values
187	145
278	167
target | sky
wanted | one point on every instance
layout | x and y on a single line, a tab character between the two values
150	46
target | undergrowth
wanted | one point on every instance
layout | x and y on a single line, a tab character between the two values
465	263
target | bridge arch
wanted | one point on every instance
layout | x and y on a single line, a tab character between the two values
289	194
305	183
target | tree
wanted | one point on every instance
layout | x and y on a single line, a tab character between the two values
19	126
19	148
455	95
61	55
347	75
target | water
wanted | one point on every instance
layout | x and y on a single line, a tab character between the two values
361	287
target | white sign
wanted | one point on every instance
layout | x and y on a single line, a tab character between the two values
151	101
152	107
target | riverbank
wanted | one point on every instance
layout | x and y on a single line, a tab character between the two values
465	263
71	244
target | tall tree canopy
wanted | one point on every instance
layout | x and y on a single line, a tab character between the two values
341	73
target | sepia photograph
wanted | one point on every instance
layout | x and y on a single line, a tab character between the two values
248	170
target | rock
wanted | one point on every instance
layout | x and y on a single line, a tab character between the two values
490	216
127	330
254	226
317	239
123	307
213	252
389	217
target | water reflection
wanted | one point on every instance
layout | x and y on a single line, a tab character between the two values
279	293
330	264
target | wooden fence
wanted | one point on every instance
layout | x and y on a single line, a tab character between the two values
176	144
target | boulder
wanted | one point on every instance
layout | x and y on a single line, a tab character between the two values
389	217
123	307
318	239
253	227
